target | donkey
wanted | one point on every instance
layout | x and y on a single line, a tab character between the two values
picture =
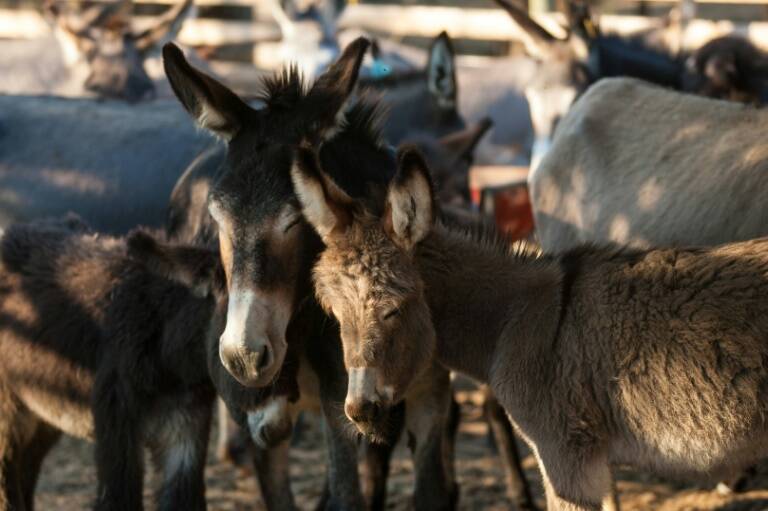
589	352
643	166
94	52
567	67
423	101
267	250
98	346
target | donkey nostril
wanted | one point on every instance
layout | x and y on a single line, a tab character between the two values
372	411
265	358
364	411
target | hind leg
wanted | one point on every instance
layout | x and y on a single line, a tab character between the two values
518	489
427	414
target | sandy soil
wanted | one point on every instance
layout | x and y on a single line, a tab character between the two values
68	479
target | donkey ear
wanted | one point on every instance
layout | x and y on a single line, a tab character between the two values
165	28
197	268
212	105
325	206
538	41
334	87
410	209
462	143
441	72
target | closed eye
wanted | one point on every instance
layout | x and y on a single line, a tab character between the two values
291	225
391	313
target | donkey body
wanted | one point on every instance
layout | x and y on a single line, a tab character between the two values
115	166
643	166
590	353
97	346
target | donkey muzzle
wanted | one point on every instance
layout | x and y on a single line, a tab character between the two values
250	367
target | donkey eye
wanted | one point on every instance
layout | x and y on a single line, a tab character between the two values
392	313
291	225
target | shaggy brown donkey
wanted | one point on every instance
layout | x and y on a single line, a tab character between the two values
657	359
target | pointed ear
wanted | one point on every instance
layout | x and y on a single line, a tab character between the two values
325	206
334	87
212	105
79	25
441	72
165	28
538	41
410	209
463	143
197	268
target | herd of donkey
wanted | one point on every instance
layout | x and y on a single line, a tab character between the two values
305	263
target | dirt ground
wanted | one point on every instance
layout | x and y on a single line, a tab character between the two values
68	479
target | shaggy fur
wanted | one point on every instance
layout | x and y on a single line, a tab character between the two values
651	358
96	345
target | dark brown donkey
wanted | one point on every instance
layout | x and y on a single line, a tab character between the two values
267	250
590	353
96	345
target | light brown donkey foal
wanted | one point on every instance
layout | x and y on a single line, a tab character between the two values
657	359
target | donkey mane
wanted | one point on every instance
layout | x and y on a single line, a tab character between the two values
284	89
488	237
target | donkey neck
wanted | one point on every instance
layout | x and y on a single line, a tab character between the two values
488	306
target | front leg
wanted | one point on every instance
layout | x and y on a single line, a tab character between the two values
426	419
518	489
343	478
377	457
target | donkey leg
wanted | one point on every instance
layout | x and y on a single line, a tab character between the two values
343	477
178	442
427	413
377	457
224	422
119	453
270	433
572	481
38	446
518	489
24	442
271	465
611	501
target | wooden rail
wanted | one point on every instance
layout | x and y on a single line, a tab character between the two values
396	20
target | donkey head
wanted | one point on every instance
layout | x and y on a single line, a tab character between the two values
367	279
562	72
450	158
102	37
425	100
265	249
